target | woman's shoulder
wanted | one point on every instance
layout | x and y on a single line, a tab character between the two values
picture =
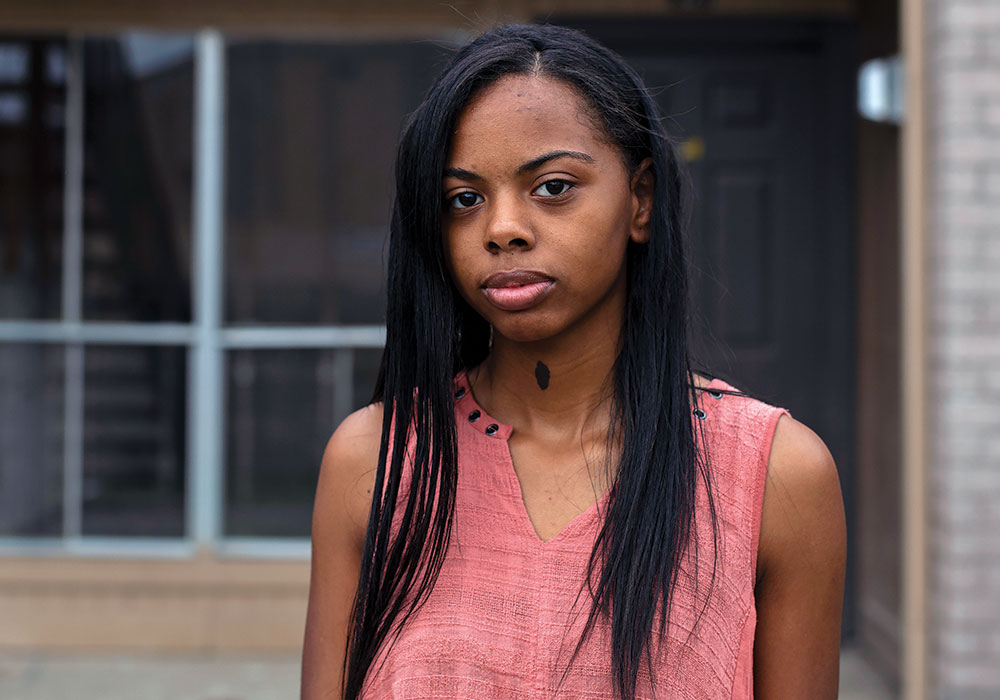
802	518
353	447
358	433
802	479
801	560
340	519
347	472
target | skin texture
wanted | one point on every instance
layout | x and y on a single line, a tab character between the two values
501	214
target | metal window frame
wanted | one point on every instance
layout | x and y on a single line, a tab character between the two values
207	340
205	366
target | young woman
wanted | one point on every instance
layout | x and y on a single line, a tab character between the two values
544	500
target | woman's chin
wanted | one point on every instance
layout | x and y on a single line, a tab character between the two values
525	330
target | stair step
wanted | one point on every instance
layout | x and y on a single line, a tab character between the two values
98	287
118	360
117	463
93	205
123	431
99	247
128	397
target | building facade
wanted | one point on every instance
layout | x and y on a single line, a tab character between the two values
193	207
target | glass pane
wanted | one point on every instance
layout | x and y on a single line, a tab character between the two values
312	132
31	445
137	182
283	406
134	440
32	102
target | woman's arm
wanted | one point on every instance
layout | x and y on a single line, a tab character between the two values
340	517
800	570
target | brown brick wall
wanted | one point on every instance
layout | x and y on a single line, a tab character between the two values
963	70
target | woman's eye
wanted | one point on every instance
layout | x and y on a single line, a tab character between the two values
464	200
553	188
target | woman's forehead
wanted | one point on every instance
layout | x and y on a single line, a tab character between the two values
520	116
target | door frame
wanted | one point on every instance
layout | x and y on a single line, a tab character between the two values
914	154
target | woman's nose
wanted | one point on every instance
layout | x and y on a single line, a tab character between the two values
508	227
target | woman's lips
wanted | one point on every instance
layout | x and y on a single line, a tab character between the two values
517	290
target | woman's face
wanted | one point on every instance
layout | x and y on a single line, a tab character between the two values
538	210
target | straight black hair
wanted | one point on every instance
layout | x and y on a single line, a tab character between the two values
431	334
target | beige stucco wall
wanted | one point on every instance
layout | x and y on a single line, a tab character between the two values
197	604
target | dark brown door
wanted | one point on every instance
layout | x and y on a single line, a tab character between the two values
761	112
746	131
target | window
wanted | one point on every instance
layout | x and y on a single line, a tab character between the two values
191	284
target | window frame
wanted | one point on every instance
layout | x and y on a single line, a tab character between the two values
206	338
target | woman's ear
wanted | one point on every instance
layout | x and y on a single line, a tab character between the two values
642	201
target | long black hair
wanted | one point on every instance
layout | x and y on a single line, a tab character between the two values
431	334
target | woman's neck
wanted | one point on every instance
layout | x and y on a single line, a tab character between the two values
557	389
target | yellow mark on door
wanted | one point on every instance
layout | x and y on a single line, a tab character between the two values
692	149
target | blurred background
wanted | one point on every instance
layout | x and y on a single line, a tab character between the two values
194	201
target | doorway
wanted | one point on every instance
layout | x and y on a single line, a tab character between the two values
762	111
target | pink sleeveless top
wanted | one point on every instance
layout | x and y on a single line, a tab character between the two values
506	614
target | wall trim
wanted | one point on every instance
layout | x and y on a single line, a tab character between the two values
351	20
201	604
914	353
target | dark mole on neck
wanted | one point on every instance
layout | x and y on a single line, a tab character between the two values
542	375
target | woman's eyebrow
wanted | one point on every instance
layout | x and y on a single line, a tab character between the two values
552	155
469	176
462	174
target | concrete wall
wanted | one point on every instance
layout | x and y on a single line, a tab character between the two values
963	98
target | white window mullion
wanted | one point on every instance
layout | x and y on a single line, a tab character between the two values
205	371
72	290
